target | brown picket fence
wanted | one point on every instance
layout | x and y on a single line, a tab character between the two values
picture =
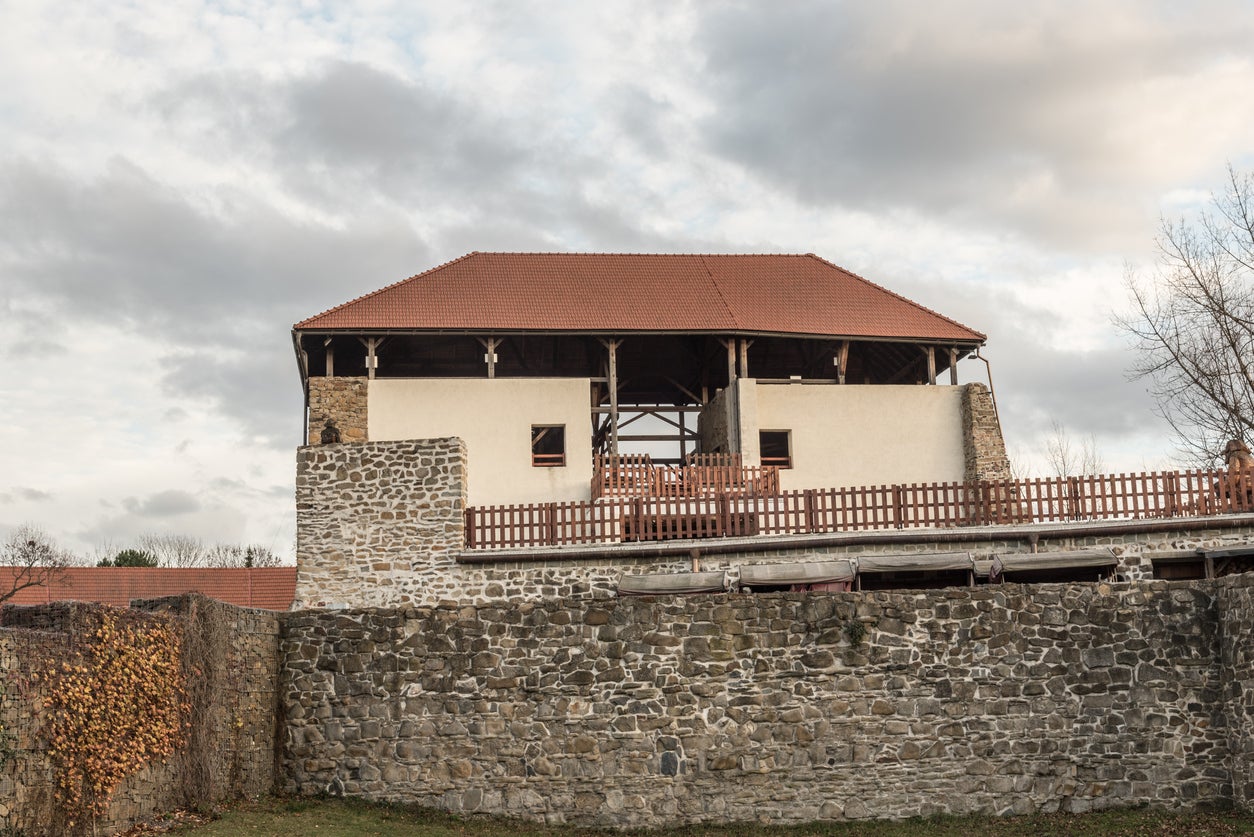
639	506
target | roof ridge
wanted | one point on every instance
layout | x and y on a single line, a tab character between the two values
892	293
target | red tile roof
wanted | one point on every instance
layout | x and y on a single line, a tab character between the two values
601	292
269	588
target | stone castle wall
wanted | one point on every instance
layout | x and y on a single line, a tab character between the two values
783	707
1236	603
236	732
344	401
984	448
381	524
378	523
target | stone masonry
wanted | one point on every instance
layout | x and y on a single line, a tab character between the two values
381	524
377	522
984	449
238	672
1236	603
781	707
343	400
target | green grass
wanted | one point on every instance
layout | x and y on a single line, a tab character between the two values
350	818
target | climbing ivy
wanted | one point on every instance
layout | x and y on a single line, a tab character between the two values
115	703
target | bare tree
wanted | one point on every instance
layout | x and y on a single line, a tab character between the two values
175	550
34	558
232	555
1194	324
187	551
1069	459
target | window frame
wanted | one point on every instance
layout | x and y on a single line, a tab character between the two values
784	462
543	459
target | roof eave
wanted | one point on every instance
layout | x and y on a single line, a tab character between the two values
975	340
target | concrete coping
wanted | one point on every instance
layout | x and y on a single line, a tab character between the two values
1027	533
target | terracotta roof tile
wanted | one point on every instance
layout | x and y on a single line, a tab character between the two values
269	588
617	292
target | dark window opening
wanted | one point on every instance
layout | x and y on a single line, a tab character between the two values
548	445
776	447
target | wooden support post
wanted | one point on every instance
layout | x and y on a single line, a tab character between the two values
330	370
683	439
953	366
842	361
730	399
611	346
744	357
371	357
930	351
489	357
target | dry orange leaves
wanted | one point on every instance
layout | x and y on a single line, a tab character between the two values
116	704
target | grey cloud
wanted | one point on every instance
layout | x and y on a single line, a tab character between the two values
127	248
347	134
1005	114
166	503
24	493
1086	391
259	388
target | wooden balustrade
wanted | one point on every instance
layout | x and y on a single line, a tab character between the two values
641	502
706	475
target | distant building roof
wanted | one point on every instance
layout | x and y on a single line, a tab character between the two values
269	588
606	292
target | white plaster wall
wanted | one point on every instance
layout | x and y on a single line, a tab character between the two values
862	435
494	417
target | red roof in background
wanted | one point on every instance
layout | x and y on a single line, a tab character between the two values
605	292
269	588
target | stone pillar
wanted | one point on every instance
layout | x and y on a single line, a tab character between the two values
712	425
343	401
984	449
377	523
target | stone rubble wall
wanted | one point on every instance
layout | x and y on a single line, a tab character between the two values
344	401
239	732
984	449
378	523
381	524
1237	660
779	707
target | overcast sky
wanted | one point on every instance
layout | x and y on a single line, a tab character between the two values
181	181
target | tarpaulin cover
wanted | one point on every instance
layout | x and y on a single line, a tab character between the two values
1053	561
1229	551
661	584
817	572
923	562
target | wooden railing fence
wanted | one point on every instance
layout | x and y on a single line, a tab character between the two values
704	475
658	511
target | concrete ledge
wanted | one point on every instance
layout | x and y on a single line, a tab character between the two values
1029	533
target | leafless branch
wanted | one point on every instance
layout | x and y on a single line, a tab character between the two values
1194	323
34	559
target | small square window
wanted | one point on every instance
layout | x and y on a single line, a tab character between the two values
775	447
548	445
